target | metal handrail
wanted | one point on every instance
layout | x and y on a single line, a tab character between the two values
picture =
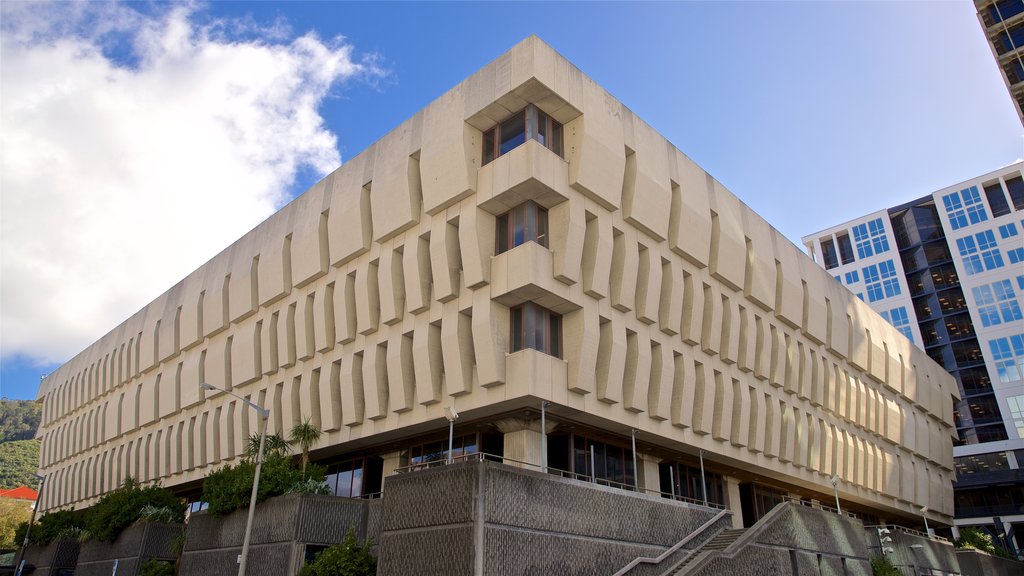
675	547
482	456
910	531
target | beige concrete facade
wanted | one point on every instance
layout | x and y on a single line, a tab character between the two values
375	300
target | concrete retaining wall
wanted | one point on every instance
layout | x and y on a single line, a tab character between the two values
53	557
795	540
974	563
487	518
282	528
132	547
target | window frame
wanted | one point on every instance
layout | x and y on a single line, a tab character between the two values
523	322
536	125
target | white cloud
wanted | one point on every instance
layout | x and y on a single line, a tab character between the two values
117	180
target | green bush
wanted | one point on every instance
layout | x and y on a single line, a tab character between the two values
229	488
882	566
348	559
121	508
51	526
156	568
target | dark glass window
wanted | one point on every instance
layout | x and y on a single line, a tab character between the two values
686	480
1003	10
974	380
916	225
612	464
530	123
1015	186
524	223
536	328
1014	71
346	478
828	252
436	452
1010	40
996	199
845	248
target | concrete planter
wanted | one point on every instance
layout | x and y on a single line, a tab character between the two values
975	563
282	529
125	555
57	558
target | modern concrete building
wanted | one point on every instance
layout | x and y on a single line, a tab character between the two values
947	270
1003	22
524	239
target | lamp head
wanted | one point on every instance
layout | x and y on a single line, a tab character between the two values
834	480
205	386
450	413
924	510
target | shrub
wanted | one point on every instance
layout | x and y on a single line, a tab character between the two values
229	488
347	559
310	486
51	526
153	567
121	508
974	538
882	566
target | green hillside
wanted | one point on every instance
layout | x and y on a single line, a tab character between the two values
19	451
19	419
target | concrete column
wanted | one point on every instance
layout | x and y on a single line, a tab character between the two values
392	461
523	441
650	480
732	500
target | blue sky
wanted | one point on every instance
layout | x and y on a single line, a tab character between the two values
812	113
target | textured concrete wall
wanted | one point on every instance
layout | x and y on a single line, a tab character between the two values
375	300
487	518
795	540
912	551
133	546
974	563
58	554
281	529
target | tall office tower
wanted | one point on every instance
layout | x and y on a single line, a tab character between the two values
1003	21
947	271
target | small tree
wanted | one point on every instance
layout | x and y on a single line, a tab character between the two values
12	513
973	538
274	446
347	559
305	435
882	566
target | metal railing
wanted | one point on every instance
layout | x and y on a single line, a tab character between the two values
482	456
905	530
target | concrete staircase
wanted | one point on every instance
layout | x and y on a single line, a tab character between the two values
720	542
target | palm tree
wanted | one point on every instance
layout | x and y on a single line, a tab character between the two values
274	446
305	435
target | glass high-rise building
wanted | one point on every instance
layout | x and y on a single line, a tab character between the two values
947	270
1003	22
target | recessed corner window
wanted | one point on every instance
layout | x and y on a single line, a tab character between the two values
536	328
530	123
524	223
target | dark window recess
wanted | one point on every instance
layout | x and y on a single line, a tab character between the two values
979	411
1014	71
436	452
686	481
933	279
921	257
967	352
527	222
974	380
530	123
981	463
1010	40
1003	10
828	252
916	225
612	464
537	328
996	199
1007	500
1015	186
845	248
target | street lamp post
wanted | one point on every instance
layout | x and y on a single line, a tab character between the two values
835	488
243	558
39	499
452	416
924	514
